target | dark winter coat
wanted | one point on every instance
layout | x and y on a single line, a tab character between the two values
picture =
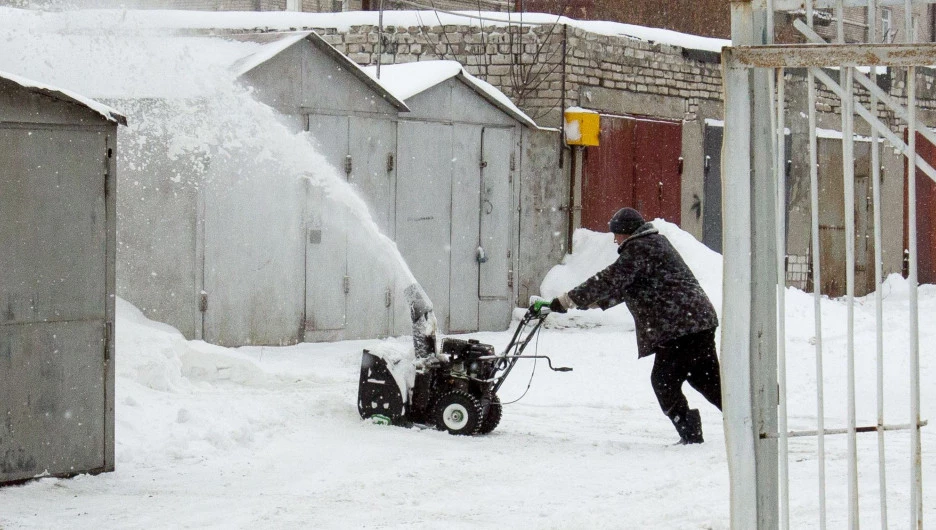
660	291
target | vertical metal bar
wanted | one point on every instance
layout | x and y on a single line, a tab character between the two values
379	36
840	22
848	174
780	171
908	23
771	84
916	478
878	272
736	307
763	332
740	431
817	281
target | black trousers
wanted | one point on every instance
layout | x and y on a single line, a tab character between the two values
689	358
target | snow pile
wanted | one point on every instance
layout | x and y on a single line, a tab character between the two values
593	251
162	383
158	357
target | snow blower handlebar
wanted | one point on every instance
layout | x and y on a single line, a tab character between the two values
538	311
548	361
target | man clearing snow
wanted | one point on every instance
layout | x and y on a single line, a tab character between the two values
674	318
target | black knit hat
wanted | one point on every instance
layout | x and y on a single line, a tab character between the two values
625	221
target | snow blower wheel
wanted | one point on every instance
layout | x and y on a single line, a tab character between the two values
457	412
492	417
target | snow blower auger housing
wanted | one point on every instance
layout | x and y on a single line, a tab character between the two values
450	384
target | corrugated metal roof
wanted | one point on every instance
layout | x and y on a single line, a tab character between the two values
65	95
275	43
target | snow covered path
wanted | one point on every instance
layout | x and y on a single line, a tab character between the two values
285	447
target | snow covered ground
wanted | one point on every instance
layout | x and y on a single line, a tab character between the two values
270	437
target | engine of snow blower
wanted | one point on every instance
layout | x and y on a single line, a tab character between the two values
451	385
457	392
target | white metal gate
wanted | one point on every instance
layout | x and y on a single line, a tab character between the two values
754	361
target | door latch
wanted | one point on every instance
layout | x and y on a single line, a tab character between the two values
482	257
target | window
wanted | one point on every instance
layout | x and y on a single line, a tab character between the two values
887	30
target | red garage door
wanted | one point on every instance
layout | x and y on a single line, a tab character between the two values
926	215
638	164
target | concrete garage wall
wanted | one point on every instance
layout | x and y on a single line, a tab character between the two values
159	234
542	230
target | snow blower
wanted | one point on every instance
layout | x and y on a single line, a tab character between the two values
450	384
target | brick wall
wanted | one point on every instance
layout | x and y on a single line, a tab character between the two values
527	63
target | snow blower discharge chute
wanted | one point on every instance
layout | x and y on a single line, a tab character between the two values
450	384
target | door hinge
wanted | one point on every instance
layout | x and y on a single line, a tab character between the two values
388	298
510	276
109	153
389	162
108	333
513	162
347	165
203	301
346	284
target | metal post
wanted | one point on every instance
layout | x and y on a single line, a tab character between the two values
763	332
848	174
878	274
817	282
916	457
379	36
749	339
780	171
740	434
916	479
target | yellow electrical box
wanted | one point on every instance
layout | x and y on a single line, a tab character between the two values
581	126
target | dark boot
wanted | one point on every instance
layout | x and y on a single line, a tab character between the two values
689	427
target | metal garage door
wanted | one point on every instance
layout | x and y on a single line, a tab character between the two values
52	322
926	215
424	207
638	164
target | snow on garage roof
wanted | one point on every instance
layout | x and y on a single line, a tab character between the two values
66	95
408	79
